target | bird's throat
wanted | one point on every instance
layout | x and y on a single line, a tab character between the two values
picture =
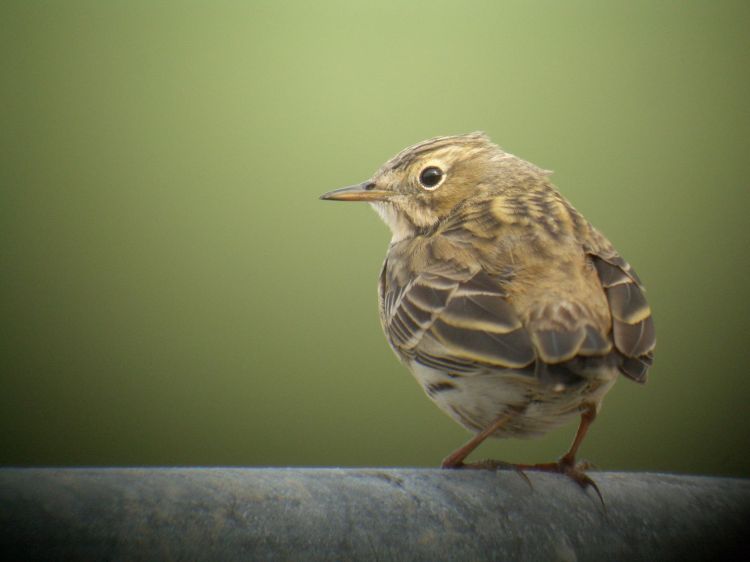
401	227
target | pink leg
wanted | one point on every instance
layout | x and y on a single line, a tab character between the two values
566	465
456	458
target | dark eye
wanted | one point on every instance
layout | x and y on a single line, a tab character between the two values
431	177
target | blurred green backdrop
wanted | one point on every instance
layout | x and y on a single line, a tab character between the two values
173	292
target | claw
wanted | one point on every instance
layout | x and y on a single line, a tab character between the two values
577	474
575	471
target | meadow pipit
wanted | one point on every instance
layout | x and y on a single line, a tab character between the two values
511	310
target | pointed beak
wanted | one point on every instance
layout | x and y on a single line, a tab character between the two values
364	191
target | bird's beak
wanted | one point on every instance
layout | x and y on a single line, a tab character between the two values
364	191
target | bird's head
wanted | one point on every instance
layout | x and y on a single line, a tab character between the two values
424	184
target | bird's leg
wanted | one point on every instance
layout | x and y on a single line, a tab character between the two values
456	458
567	464
587	418
568	460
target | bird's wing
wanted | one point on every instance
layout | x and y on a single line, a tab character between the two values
460	320
632	324
455	320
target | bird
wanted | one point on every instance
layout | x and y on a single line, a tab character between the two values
513	313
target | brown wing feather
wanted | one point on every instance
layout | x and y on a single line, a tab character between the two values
566	328
556	346
459	323
632	323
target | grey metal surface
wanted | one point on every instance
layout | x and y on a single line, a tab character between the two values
366	514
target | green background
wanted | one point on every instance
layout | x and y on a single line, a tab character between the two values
173	292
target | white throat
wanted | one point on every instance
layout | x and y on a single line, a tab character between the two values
400	227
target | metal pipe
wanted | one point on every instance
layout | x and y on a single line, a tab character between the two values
366	514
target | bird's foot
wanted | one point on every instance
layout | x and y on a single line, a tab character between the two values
576	471
487	464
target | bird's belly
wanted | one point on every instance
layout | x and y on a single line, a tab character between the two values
477	400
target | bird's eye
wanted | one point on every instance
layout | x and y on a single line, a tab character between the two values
431	177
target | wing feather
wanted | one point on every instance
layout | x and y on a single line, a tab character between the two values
556	346
513	349
456	320
481	312
628	303
633	329
594	343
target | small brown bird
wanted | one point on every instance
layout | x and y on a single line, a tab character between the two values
511	310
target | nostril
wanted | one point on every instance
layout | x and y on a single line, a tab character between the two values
369	186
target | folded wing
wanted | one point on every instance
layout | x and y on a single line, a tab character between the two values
458	321
632	323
